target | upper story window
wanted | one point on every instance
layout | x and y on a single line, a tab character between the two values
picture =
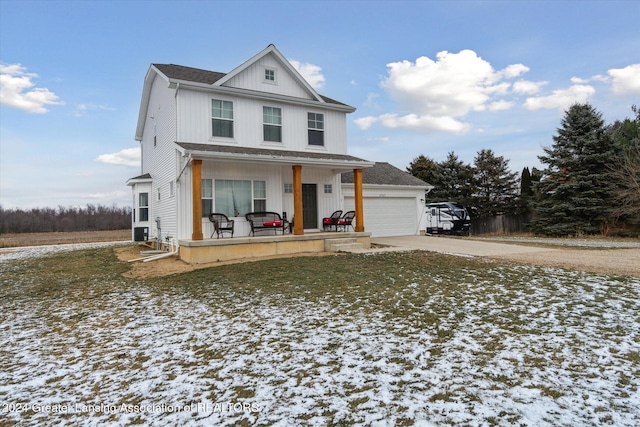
272	124
222	118
315	123
270	75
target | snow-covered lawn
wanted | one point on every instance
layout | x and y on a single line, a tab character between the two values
497	344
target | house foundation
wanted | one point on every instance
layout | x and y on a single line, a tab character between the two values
225	249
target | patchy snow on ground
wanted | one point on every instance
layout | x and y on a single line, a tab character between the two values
24	252
533	347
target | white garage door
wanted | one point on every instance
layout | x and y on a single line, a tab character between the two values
387	216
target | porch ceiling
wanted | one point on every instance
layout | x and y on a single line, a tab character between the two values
285	157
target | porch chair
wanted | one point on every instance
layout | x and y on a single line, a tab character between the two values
221	224
332	221
346	221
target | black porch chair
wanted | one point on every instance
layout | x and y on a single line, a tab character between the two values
346	221
221	224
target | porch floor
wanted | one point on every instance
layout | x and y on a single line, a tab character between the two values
227	248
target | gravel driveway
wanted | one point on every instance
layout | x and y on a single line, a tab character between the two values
590	255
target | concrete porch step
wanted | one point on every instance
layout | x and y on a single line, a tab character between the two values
343	244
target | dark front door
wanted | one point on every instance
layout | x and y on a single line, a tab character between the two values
310	205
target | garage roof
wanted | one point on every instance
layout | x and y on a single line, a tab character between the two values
383	173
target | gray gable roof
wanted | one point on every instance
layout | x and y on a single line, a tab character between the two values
145	176
383	173
196	75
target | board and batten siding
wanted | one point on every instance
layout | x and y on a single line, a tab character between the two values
252	78
244	171
327	202
275	177
195	124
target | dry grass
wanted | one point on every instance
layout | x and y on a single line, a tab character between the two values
12	240
389	339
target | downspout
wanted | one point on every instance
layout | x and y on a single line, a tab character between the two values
173	244
423	203
173	250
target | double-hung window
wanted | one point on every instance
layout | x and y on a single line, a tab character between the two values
143	207
207	197
315	124
259	196
272	124
222	118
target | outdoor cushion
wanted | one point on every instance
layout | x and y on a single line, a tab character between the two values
272	223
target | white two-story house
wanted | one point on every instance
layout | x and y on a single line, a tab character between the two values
258	138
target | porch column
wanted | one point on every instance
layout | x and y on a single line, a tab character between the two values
357	181
298	223
196	195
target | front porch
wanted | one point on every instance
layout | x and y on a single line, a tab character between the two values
225	249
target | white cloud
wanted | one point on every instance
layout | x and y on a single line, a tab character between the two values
500	105
81	109
626	80
365	123
514	70
17	90
371	100
561	99
109	196
126	157
422	123
437	93
525	87
311	73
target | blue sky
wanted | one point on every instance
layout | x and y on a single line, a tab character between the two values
426	77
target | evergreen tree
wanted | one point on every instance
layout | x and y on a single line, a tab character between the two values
575	191
526	189
496	185
525	200
423	168
453	181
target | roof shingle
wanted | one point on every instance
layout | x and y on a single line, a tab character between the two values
196	75
383	173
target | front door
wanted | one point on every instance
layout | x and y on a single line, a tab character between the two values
310	206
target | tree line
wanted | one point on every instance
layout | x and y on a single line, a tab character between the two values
590	183
88	218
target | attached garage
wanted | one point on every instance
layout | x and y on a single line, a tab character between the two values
387	216
393	200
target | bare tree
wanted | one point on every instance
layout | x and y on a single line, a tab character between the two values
626	172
